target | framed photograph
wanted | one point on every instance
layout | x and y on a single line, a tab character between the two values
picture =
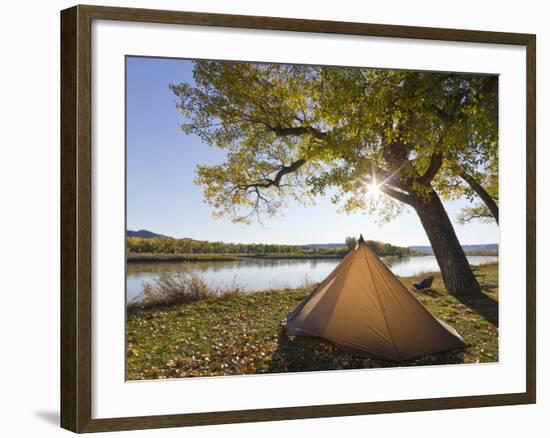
268	219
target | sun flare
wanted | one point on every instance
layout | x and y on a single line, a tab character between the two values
373	189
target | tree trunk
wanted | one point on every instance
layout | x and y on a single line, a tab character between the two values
455	269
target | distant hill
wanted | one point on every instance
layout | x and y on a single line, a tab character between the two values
144	234
467	248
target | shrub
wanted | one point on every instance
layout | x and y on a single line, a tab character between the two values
176	289
180	289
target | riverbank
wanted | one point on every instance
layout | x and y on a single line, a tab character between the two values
241	334
161	257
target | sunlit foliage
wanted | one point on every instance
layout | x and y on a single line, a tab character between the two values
292	132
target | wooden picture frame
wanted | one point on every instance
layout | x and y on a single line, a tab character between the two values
76	218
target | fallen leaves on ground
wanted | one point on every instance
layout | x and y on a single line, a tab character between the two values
243	335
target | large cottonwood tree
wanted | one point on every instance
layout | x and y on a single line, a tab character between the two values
293	132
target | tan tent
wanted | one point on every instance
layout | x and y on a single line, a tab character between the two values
363	308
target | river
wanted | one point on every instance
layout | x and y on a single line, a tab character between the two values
260	274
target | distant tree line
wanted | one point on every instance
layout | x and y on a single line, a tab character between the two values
166	245
189	246
381	248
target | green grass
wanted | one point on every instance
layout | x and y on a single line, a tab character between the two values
483	252
241	334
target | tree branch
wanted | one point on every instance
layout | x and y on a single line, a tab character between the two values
455	115
297	131
482	193
276	181
468	218
447	118
400	196
436	161
490	85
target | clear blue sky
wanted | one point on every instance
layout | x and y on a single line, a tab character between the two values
161	196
